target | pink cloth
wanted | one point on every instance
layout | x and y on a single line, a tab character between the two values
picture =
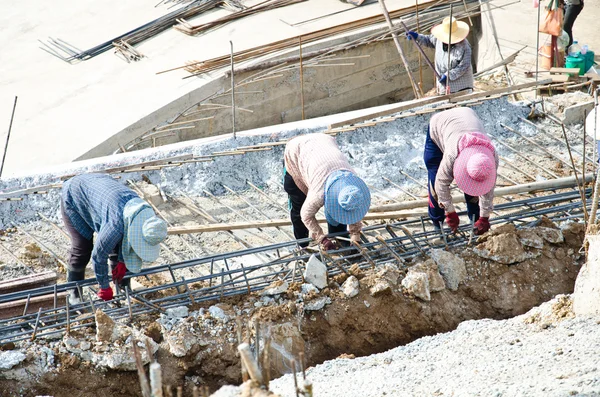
446	130
310	159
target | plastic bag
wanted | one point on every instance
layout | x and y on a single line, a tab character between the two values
562	41
553	20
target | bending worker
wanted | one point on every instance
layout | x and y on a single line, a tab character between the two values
318	174
125	226
457	148
460	75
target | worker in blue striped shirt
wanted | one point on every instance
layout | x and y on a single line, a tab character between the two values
126	227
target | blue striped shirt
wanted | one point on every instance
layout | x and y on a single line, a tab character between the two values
94	203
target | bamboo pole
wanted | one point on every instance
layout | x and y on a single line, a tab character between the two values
140	370
399	47
232	92
301	77
8	136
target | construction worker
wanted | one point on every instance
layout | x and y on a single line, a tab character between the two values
460	75
125	226
317	174
457	148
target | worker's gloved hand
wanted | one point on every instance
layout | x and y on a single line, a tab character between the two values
452	220
481	226
443	79
410	35
328	245
105	294
118	272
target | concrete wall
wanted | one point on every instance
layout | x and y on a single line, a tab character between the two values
377	79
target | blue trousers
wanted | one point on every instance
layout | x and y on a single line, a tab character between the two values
433	158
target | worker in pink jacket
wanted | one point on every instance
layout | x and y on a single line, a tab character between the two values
318	175
457	149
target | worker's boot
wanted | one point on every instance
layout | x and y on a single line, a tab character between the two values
75	275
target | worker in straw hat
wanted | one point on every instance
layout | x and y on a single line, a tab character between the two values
317	175
449	39
126	229
457	148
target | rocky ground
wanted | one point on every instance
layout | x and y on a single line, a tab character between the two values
505	274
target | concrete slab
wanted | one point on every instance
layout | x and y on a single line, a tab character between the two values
65	110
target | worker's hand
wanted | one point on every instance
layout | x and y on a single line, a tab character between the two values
105	294
328	245
118	272
482	225
410	35
443	79
452	221
355	238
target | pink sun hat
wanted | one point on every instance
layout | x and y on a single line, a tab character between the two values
475	166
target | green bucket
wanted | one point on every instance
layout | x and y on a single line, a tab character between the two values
575	62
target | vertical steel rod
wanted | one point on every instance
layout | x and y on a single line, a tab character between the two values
8	136
232	92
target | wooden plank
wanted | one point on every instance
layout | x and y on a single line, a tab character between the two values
559	78
506	61
397	109
592	76
27	282
505	90
218	227
30	190
559	183
564	70
15	308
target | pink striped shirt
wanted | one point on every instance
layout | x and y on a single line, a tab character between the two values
445	129
310	159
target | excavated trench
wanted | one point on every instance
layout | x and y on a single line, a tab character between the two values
504	274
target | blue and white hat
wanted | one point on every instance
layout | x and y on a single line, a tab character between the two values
142	236
347	198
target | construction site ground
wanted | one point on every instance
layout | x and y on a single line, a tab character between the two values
502	275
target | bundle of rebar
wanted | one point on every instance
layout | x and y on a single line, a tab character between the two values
192	30
125	42
431	7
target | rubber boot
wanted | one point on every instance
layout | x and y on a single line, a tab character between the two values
75	275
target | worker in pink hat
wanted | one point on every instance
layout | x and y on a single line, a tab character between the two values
317	174
457	148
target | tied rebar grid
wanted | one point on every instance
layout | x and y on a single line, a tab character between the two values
393	242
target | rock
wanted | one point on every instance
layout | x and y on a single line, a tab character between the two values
436	281
417	284
85	345
575	114
218	313
9	359
309	289
276	288
317	304
451	267
380	288
553	236
351	287
71	343
31	251
106	329
178	312
586	297
181	343
390	273
530	238
504	248
316	272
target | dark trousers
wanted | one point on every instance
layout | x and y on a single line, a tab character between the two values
297	198
433	157
571	14
81	252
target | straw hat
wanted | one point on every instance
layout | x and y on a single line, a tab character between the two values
475	167
347	198
460	31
